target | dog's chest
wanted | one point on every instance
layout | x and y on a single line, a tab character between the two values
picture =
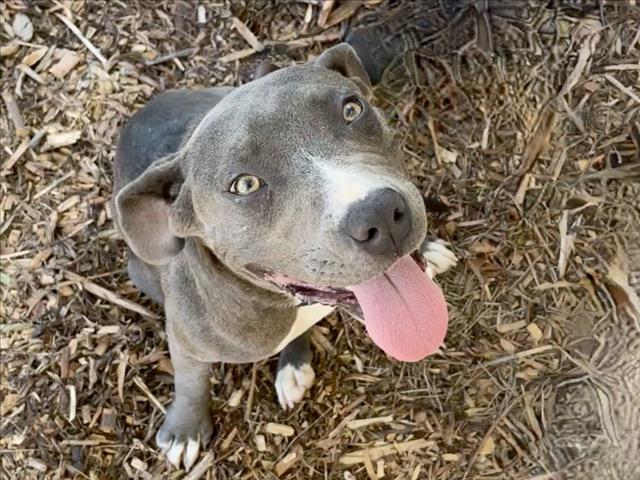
306	317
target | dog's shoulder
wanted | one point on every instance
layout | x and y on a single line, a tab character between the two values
161	127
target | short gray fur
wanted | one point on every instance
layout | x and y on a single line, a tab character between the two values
192	241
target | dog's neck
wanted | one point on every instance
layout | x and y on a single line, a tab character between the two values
209	271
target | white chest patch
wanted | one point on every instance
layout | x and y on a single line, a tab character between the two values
306	317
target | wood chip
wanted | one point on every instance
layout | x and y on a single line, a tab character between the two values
235	398
226	443
31	74
261	443
76	31
356	457
279	429
122	371
325	11
365	422
68	61
626	90
34	56
6	168
511	327
231	57
61	139
156	403
566	244
109	296
345	11
286	463
200	468
22	27
72	402
9	49
534	332
201	14
247	34
487	447
108	420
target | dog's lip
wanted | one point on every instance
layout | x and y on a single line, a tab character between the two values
308	293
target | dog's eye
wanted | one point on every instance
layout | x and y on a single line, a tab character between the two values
245	185
351	110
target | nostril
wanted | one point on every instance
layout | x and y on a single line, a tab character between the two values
372	233
398	215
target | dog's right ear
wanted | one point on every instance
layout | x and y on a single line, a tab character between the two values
155	213
343	59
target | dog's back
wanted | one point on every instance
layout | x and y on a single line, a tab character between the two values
160	128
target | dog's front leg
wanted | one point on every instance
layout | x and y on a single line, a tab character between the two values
188	424
295	375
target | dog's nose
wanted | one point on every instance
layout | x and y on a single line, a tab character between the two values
380	222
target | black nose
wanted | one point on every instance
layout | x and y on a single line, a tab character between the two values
379	223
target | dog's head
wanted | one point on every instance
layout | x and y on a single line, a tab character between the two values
294	180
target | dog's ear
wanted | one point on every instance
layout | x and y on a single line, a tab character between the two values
155	213
343	59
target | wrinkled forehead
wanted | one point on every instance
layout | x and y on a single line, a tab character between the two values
287	95
270	119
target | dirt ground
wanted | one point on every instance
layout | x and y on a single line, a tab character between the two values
532	153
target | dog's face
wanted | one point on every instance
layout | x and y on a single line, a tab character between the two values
294	178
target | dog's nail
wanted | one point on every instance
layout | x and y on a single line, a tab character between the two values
191	453
174	455
164	445
305	376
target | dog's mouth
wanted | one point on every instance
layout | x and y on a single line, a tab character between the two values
308	294
403	309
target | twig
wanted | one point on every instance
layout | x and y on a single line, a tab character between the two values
518	355
31	74
200	468
247	34
13	110
622	88
252	389
53	185
152	398
23	147
109	296
76	31
246	52
165	58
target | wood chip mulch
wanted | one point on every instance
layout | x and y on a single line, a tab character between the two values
532	149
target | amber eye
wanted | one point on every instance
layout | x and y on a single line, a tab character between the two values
245	185
351	110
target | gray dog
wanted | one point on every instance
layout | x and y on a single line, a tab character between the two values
251	213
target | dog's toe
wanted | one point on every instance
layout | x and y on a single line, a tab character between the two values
191	453
182	434
438	256
174	455
292	382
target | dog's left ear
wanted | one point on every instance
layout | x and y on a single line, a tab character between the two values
343	59
155	212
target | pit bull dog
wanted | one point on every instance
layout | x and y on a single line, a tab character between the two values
250	213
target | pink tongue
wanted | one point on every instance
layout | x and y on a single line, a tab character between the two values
404	311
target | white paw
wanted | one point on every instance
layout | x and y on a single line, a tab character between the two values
182	434
438	256
292	382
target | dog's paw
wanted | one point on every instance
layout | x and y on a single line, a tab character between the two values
183	432
438	256
292	382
